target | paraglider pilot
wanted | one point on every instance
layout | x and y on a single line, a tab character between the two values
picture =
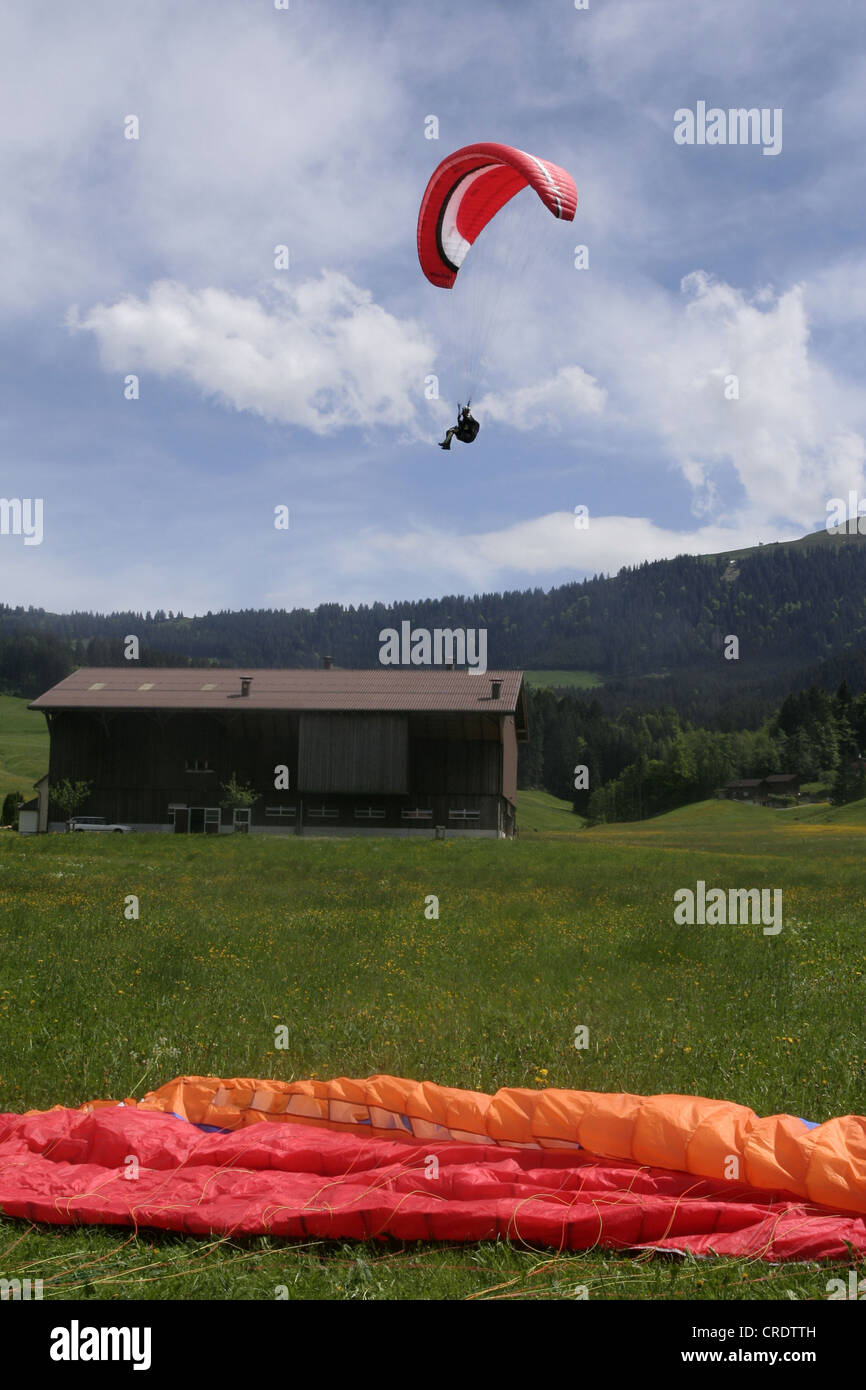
466	428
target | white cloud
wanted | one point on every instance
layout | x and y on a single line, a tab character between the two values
540	547
320	354
793	438
553	403
256	127
837	293
789	435
658	366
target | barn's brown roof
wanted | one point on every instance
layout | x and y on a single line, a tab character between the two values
389	688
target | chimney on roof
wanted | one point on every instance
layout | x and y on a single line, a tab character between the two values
246	682
327	663
495	688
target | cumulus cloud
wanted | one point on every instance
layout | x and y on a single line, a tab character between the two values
740	386
728	384
540	546
256	127
321	354
725	382
553	403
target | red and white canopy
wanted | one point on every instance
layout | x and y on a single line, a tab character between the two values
468	189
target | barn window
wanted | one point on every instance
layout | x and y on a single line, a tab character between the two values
285	811
464	816
418	814
369	813
322	812
198	765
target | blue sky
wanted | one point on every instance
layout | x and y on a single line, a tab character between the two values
304	387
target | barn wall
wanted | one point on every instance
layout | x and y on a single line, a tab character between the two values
509	759
353	753
139	762
446	765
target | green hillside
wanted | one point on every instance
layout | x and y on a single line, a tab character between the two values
759	832
704	825
23	747
821	538
539	813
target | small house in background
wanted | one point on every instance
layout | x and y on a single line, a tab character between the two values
378	752
33	814
746	789
758	790
783	784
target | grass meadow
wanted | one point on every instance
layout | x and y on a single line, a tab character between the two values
23	747
561	927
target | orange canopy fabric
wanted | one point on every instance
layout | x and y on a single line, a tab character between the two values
714	1139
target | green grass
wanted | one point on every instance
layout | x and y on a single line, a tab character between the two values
238	935
23	747
560	680
539	813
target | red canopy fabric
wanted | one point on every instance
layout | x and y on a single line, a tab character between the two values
142	1167
468	188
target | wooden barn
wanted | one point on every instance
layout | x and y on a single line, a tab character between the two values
759	790
382	752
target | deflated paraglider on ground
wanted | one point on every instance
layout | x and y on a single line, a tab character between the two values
412	1160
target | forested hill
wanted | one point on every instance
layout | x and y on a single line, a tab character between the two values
655	631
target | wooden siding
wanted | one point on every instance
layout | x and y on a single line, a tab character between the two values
509	759
141	762
465	727
449	766
353	753
138	763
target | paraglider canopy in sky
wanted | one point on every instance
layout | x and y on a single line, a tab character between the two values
468	189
